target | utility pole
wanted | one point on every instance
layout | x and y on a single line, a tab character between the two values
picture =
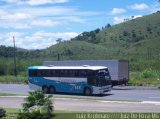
15	69
58	41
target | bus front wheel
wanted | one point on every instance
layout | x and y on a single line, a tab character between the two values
87	91
45	89
52	89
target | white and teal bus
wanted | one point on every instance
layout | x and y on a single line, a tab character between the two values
86	80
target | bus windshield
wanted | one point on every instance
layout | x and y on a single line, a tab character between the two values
103	77
99	78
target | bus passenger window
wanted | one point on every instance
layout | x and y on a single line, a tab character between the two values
76	73
83	73
33	73
54	73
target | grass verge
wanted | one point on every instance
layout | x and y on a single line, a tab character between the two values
8	94
13	79
57	114
147	77
65	114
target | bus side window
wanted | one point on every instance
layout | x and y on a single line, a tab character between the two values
33	73
47	73
69	73
54	73
63	73
43	73
73	73
83	73
51	73
66	73
92	78
60	73
57	73
77	73
39	73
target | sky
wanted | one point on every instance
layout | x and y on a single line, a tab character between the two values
37	24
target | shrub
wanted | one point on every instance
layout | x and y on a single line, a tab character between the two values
149	73
2	112
37	106
145	78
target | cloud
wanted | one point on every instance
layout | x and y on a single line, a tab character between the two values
41	39
141	6
12	24
44	23
49	35
72	19
137	16
9	20
34	2
117	11
29	17
42	2
15	16
37	40
7	38
2	12
117	20
12	1
49	11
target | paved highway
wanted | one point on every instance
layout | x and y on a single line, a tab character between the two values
149	100
88	105
118	93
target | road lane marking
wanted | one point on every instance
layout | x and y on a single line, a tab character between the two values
151	102
125	102
119	102
154	97
13	96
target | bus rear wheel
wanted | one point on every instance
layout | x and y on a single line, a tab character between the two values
52	90
87	92
45	89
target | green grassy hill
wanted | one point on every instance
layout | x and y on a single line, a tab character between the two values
134	36
75	50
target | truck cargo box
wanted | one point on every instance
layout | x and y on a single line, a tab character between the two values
119	69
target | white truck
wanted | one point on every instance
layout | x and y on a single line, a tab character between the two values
119	69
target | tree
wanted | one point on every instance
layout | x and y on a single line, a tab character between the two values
2	68
108	26
133	34
37	105
125	33
132	17
97	30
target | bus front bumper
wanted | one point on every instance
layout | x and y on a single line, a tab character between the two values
102	90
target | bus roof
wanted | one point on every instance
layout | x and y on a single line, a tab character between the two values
68	67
